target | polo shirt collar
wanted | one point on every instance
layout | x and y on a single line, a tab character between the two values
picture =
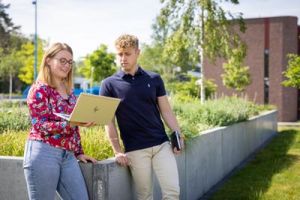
139	71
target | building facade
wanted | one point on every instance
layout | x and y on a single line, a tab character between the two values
269	41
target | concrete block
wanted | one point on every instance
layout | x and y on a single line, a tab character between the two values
214	171
12	180
228	150
252	135
109	181
181	164
203	157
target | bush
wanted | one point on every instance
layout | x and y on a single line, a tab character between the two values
226	111
195	117
191	88
95	143
12	143
13	116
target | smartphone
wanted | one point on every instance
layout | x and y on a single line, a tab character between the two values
175	140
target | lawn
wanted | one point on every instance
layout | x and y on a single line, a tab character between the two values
274	173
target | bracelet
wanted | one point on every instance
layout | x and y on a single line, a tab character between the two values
178	132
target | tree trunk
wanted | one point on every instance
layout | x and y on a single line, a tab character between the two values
10	85
201	56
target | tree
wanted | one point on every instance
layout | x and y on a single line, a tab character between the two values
98	65
26	55
9	66
292	73
9	61
199	25
236	76
6	27
150	57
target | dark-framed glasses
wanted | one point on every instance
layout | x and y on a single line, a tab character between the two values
64	61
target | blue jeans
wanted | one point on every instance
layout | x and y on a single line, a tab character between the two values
48	169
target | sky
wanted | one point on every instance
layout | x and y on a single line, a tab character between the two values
85	24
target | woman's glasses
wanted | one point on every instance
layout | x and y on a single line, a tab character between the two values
64	61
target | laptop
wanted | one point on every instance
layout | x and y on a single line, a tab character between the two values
92	108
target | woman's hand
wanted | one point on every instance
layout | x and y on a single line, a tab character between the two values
85	158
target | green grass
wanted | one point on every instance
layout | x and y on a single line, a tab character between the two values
274	173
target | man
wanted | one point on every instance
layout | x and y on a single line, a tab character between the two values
143	100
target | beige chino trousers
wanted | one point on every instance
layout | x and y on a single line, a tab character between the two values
161	160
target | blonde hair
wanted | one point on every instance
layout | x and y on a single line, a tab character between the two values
45	74
127	41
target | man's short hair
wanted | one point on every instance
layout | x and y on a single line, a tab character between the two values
127	41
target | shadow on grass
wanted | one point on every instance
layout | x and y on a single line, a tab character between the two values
256	177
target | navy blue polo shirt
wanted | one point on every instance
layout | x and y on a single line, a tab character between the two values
138	115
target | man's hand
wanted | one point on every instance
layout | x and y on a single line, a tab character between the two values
177	152
122	159
85	158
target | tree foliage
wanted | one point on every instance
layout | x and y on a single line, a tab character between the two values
178	51
191	88
7	27
236	76
26	55
10	43
194	29
98	65
292	73
10	62
9	65
184	19
151	59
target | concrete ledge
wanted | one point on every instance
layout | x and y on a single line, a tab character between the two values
289	124
207	159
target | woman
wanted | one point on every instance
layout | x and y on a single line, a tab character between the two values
53	145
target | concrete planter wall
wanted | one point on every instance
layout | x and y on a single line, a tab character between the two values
207	159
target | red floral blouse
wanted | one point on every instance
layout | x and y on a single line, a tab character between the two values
42	101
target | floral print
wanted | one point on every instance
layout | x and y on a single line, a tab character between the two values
43	101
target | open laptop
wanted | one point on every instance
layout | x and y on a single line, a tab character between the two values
92	108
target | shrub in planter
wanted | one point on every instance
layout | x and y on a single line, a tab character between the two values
12	143
226	111
195	117
14	118
95	143
93	140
